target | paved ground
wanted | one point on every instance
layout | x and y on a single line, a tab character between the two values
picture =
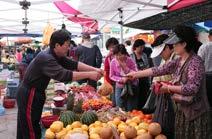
8	124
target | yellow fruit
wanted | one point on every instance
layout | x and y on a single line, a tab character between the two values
77	130
68	127
122	136
121	127
110	123
145	136
94	136
143	125
133	124
58	122
61	134
84	127
91	125
76	124
85	132
136	119
141	131
128	121
98	123
116	120
104	125
49	134
56	127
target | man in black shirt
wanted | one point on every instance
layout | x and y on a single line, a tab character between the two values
49	64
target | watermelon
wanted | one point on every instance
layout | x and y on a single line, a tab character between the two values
68	117
88	117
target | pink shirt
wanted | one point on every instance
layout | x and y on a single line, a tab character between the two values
116	72
18	56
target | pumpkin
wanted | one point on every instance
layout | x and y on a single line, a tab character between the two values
160	136
130	132
106	133
68	117
144	136
154	129
88	117
56	126
49	134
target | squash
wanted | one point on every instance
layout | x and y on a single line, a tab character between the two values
49	134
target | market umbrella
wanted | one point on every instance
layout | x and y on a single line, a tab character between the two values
198	12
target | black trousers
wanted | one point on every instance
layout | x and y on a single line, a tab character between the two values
30	104
209	87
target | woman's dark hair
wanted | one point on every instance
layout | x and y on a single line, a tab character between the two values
189	36
59	36
18	50
111	41
138	43
120	48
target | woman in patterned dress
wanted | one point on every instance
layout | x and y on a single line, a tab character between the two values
192	119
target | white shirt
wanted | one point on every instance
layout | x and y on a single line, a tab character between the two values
205	52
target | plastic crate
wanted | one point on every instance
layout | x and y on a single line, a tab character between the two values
12	86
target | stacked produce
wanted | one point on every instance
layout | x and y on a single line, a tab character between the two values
96	104
133	128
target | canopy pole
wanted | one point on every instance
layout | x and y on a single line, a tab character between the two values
121	24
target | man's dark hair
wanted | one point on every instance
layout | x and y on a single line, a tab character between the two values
138	43
111	41
59	36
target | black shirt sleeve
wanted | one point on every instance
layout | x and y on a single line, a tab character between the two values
54	70
68	63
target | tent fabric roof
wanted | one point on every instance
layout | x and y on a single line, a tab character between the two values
104	11
193	14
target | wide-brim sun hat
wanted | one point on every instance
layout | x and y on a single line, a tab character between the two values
173	39
157	50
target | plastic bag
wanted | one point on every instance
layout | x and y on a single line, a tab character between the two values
105	89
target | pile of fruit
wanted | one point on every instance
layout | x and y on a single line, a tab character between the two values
106	115
96	104
144	117
89	126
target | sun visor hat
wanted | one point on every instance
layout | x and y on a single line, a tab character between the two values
157	50
173	39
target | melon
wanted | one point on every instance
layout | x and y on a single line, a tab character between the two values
106	133
88	117
160	136
154	129
68	117
130	132
145	136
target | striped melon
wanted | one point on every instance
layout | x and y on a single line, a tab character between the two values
88	117
68	117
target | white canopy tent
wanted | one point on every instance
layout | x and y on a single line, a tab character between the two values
104	11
